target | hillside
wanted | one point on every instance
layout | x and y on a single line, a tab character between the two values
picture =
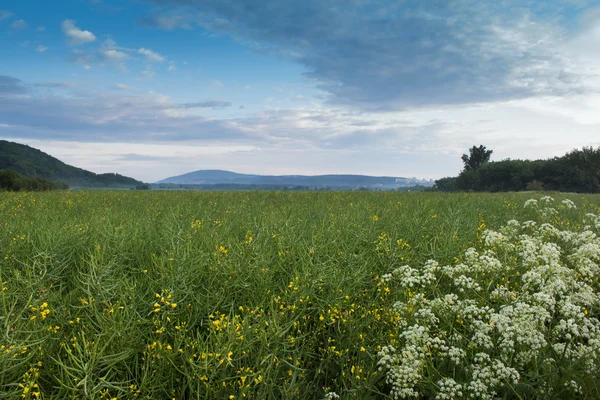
218	177
32	162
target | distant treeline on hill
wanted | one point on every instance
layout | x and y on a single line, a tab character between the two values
576	171
252	187
15	182
32	162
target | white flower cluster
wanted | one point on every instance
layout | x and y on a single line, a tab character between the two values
531	203
569	204
449	389
547	211
526	305
594	220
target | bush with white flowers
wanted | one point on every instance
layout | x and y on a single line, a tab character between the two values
518	318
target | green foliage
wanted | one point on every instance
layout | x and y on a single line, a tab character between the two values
31	162
476	158
535	186
577	171
447	184
156	295
14	182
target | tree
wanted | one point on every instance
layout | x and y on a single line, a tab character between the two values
14	182
477	156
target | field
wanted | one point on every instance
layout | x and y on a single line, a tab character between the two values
200	295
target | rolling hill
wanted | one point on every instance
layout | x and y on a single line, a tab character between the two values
219	177
32	162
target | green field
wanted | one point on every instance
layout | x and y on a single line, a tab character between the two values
261	295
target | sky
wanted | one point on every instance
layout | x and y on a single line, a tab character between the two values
156	88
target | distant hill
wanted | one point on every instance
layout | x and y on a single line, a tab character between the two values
219	177
32	162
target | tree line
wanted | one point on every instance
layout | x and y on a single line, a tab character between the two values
576	171
15	182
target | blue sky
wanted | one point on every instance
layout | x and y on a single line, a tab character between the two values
156	88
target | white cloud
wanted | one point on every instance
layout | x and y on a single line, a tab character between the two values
40	29
82	58
124	87
148	73
41	49
217	84
171	21
4	14
172	67
109	43
55	85
114	55
19	24
151	55
76	36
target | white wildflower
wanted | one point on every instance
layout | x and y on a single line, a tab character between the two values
531	203
449	389
569	204
493	316
492	238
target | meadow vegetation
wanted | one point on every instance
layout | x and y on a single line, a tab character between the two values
310	295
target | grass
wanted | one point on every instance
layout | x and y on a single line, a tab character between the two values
205	295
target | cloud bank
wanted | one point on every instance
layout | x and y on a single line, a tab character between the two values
393	55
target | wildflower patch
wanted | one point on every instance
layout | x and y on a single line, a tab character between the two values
516	318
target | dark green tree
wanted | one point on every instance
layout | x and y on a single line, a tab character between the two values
476	157
15	182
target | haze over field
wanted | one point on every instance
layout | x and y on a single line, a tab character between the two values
158	88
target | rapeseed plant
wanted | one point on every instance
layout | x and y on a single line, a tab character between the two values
134	297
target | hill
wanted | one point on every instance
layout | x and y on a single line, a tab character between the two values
32	162
219	177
